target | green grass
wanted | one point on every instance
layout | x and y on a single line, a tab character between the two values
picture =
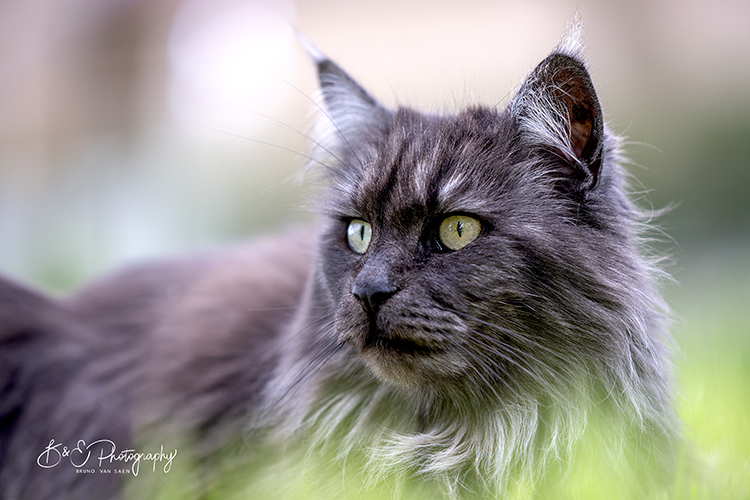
714	378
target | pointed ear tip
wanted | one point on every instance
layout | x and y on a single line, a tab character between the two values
315	54
572	42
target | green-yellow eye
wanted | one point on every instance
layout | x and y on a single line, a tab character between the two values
358	235
457	231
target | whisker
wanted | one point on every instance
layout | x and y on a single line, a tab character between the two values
513	334
289	341
320	357
294	151
280	124
526	362
311	367
478	365
330	120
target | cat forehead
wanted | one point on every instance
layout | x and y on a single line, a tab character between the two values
445	164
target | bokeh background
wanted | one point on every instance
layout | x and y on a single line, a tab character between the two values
135	129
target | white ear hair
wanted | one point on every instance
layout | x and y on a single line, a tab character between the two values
572	41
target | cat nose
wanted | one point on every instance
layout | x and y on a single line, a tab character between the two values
373	295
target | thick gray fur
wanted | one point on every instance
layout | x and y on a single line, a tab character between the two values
482	366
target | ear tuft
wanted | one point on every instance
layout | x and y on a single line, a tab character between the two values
572	41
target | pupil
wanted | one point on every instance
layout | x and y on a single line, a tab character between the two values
459	228
362	232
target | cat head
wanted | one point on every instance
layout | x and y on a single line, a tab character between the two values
486	253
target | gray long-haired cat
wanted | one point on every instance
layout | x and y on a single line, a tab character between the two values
475	303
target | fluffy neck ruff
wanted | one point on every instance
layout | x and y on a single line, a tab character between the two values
460	445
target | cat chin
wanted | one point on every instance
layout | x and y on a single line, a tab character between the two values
410	369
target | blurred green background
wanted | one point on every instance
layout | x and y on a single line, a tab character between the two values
134	129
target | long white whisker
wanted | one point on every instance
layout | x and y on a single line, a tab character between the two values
328	117
294	151
479	366
278	123
515	335
312	366
524	361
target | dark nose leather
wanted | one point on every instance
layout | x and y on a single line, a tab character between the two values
373	295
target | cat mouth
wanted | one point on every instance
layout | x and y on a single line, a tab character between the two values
382	341
398	358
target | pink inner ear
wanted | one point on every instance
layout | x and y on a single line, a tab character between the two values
580	117
561	85
580	132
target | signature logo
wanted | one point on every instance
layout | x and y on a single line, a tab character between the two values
104	452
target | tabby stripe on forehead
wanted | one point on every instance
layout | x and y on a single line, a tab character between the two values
424	170
447	190
420	178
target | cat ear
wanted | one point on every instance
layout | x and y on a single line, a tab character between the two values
347	105
557	110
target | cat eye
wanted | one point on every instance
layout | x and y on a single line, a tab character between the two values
457	231
358	235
